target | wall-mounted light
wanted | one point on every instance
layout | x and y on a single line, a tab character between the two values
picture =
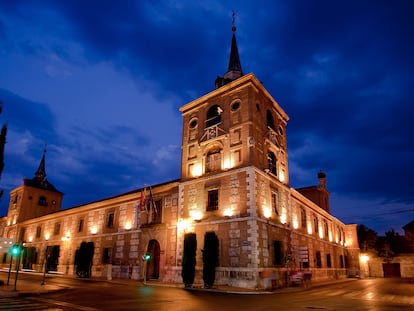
196	170
94	230
30	239
309	228
282	176
183	224
128	225
47	236
228	212
283	217
196	215
267	212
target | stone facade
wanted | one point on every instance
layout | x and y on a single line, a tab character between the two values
234	181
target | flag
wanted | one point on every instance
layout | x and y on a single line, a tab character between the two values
142	200
151	204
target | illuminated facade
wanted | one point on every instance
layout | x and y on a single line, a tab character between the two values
234	181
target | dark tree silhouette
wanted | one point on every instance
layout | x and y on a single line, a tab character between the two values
367	238
210	258
3	134
189	259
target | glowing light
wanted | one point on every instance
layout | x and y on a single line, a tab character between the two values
267	212
283	217
66	237
227	163
94	230
183	224
128	225
196	215
30	238
282	176
320	232
47	236
364	258
295	224
228	212
309	228
330	236
196	170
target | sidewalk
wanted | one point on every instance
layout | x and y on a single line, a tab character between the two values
32	287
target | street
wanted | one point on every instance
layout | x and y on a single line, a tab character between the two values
356	294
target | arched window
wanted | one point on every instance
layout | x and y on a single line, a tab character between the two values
213	160
269	120
271	162
42	201
213	115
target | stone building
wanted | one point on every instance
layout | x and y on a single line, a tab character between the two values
234	181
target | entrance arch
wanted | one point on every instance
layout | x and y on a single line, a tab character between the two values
153	265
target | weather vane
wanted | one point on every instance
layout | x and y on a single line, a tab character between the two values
233	19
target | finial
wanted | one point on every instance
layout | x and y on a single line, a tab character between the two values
233	17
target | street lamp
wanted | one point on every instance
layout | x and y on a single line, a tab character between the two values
44	263
16	250
145	258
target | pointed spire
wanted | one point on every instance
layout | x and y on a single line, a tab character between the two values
234	70
41	171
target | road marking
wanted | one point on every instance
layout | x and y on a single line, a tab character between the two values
64	304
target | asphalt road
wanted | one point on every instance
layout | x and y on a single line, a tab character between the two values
363	294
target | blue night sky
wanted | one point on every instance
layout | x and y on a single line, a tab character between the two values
100	82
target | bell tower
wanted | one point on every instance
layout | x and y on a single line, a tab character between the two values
35	198
238	124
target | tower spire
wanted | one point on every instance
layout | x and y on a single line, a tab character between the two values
234	70
41	170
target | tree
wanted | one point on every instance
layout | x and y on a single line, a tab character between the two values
83	259
3	134
367	238
210	258
189	259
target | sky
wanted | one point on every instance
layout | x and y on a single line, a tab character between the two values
99	83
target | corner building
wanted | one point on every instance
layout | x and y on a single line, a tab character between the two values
234	181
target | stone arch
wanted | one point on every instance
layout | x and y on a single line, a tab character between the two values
153	265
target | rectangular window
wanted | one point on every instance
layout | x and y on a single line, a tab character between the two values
274	201
110	220
157	212
212	200
318	260
213	162
325	223
316	224
236	137
328	261
80	225
303	217
107	255
56	230
278	259
341	261
38	231
236	157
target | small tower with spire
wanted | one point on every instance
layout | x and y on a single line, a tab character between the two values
234	70
35	198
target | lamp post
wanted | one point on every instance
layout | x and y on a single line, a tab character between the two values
44	263
44	268
145	259
17	250
11	260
